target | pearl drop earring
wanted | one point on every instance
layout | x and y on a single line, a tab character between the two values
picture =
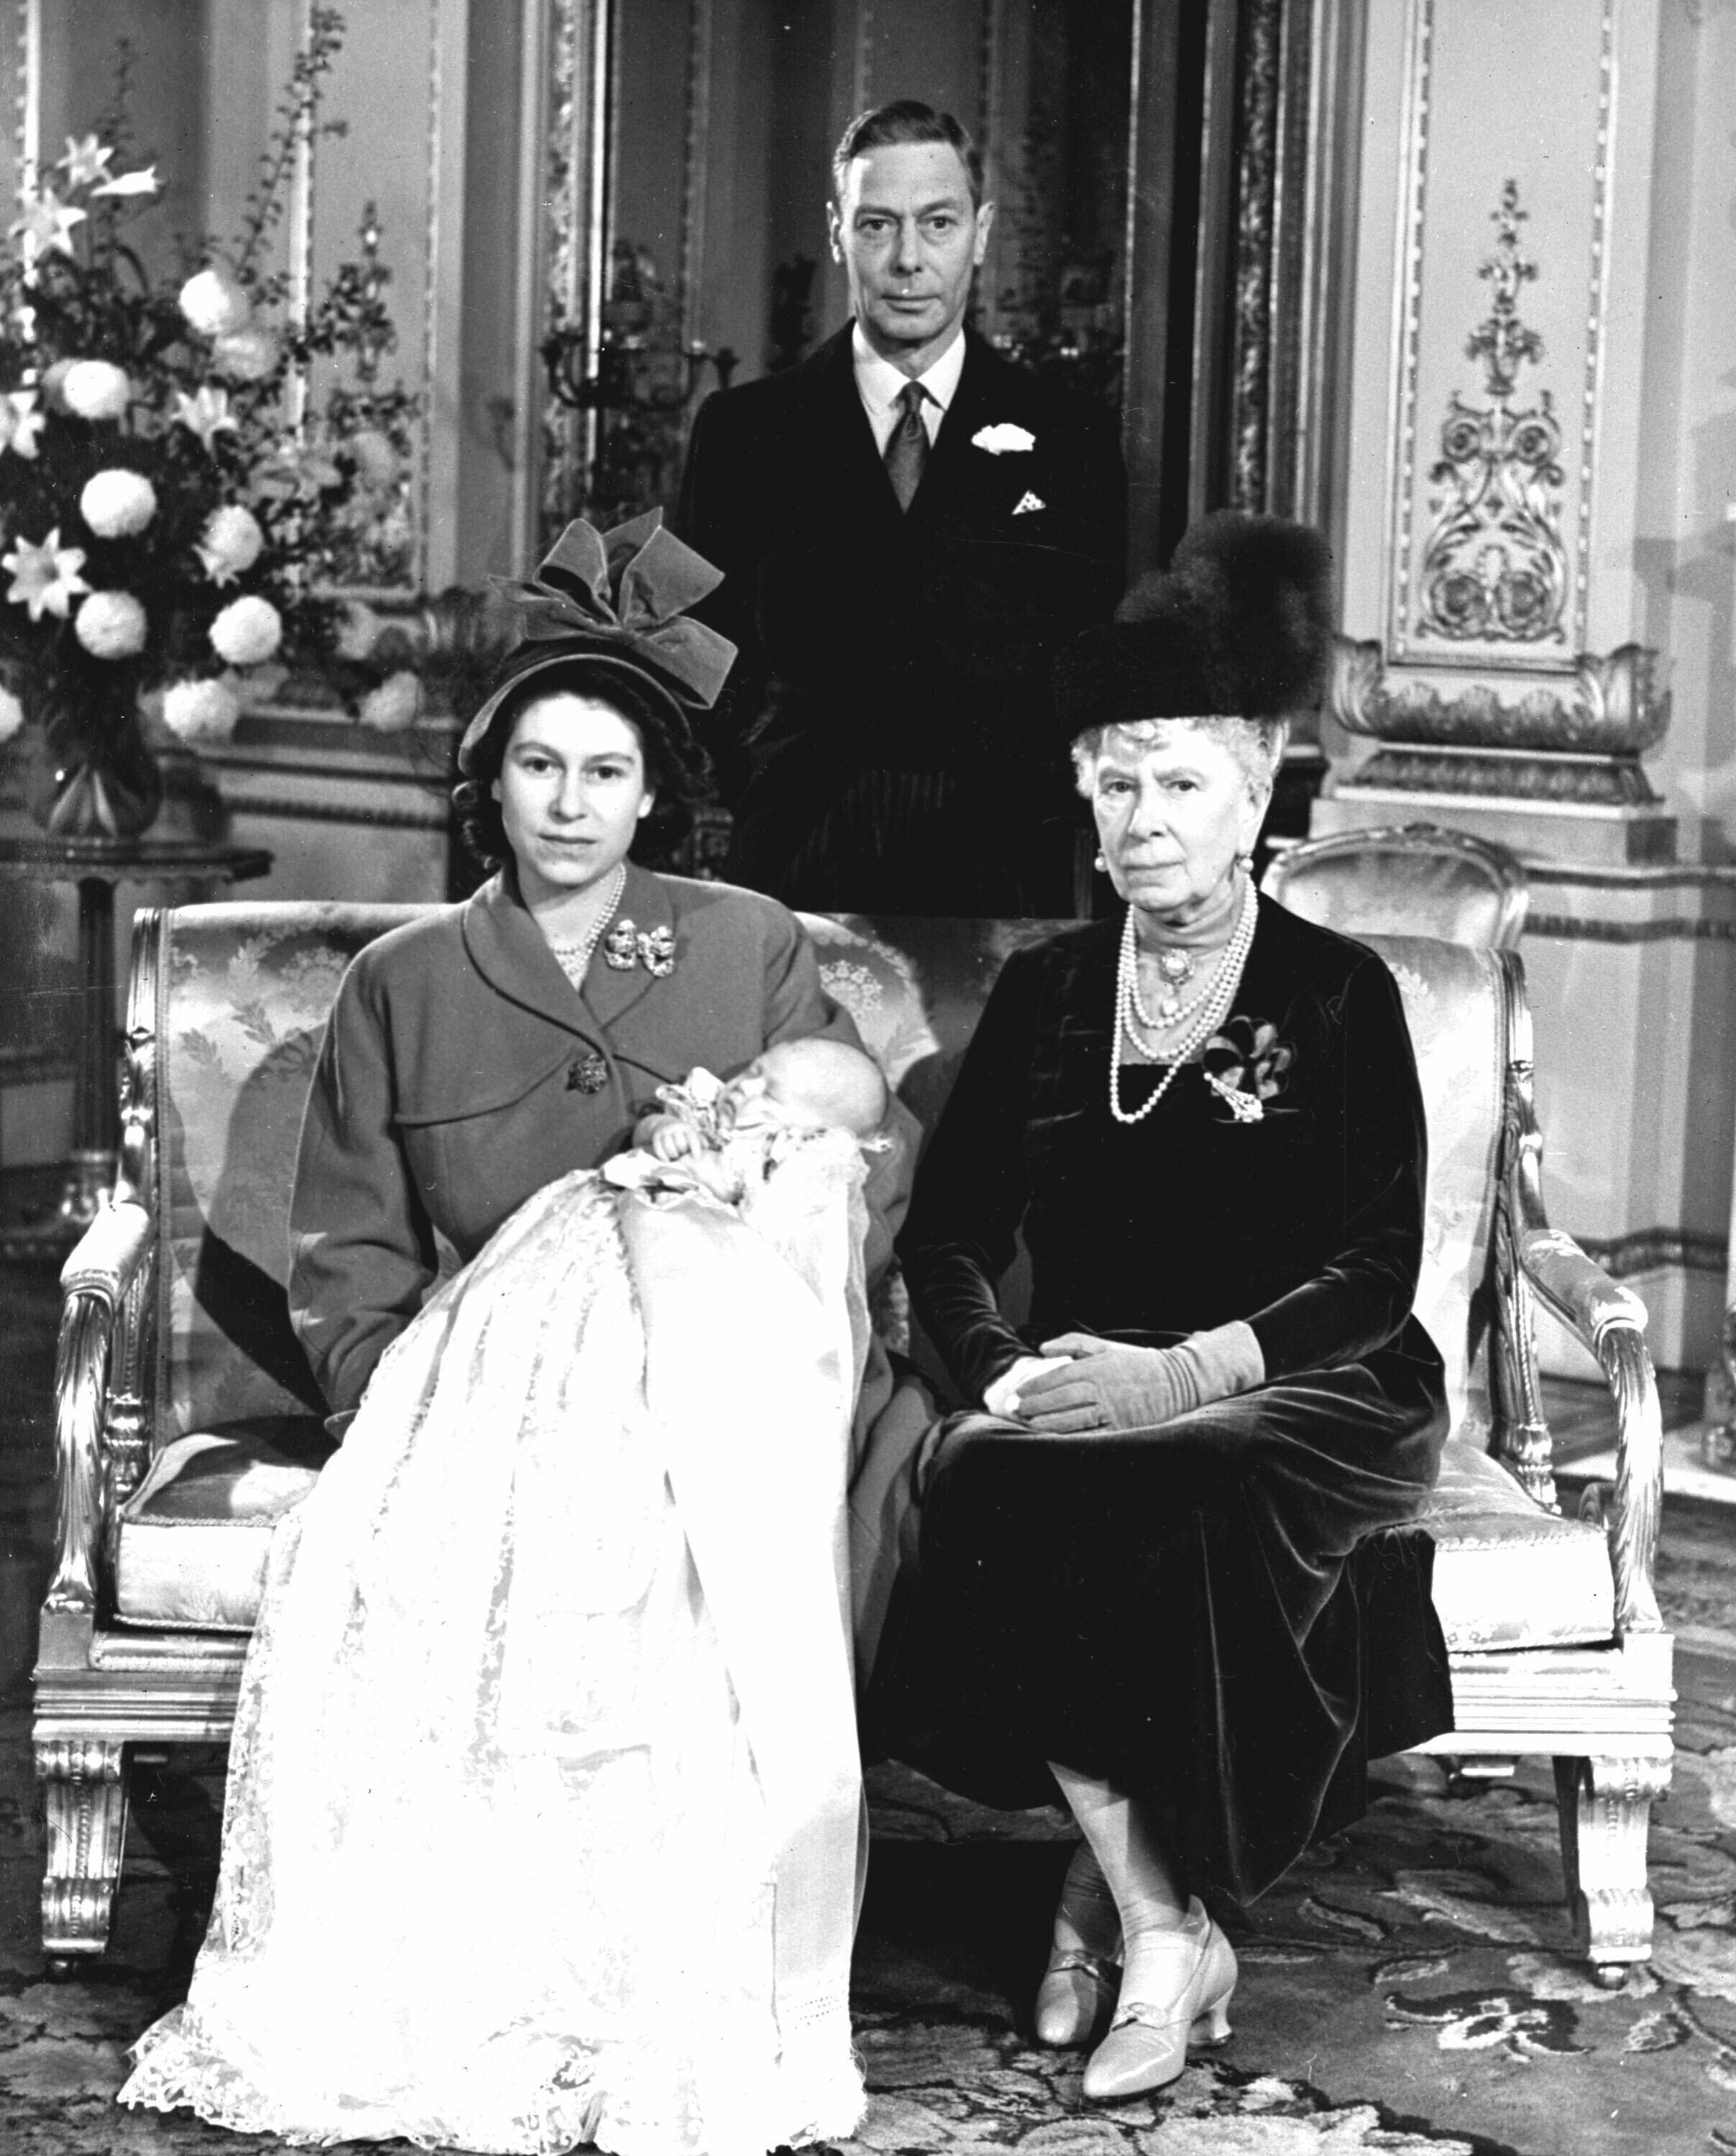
1099	864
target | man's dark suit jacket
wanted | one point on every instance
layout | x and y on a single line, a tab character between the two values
876	639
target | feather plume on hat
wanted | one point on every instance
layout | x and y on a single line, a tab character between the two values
1239	625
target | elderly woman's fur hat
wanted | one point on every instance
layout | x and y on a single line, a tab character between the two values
1240	624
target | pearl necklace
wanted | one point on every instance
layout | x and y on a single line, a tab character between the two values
1177	968
1128	1010
574	959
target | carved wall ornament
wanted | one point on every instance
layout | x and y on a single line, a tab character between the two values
1608	706
1495	569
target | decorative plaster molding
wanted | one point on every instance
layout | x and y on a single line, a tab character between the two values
1569	928
1255	192
571	235
1416	631
1502	775
1608	706
306	809
696	166
431	238
1656	1249
861	74
1494	570
26	91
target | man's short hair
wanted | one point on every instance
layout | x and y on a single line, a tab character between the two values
905	120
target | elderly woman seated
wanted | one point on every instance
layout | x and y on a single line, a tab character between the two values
1150	1564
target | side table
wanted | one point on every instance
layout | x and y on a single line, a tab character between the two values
96	866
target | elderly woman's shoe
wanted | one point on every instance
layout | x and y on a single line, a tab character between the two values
1075	1997
1083	1977
1176	1992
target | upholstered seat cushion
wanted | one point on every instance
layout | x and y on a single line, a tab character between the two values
193	1536
1506	1572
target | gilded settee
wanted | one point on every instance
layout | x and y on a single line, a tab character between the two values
188	1422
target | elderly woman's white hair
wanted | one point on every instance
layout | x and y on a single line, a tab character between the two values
1256	744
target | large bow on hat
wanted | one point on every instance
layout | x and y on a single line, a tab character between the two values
618	598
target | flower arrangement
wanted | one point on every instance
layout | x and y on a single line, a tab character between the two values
170	496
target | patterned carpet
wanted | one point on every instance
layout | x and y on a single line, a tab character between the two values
1410	1989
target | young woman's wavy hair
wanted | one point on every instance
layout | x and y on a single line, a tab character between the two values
677	769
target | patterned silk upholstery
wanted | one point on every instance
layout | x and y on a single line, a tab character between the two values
1408	880
237	1435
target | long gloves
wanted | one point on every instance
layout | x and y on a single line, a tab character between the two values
1082	1383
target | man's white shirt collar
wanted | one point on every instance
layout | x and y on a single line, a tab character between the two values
880	384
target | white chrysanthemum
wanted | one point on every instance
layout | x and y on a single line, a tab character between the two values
245	354
230	544
117	503
11	715
96	390
393	705
111	625
200	710
213	303
247	631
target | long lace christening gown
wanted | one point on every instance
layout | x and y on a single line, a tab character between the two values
544	1811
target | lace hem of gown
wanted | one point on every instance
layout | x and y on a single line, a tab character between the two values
552	2094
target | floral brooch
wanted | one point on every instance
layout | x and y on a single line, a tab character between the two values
1245	1066
626	946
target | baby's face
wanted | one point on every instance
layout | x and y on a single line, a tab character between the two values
771	1090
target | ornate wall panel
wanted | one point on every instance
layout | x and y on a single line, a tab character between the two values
397	89
1499	324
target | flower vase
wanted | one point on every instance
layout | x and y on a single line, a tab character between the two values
94	776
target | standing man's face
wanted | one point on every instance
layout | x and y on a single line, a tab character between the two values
909	240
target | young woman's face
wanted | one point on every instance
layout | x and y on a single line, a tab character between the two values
571	791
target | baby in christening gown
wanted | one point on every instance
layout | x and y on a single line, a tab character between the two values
726	1139
543	1823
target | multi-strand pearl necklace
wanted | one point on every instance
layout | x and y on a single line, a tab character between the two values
574	959
1130	1012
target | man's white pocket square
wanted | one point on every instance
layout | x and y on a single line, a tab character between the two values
1001	437
1028	502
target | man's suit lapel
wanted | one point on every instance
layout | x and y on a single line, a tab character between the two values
847	463
952	473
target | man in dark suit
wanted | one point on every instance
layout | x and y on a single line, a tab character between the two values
909	527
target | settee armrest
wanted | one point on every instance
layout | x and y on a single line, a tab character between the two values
1609	1320
94	1282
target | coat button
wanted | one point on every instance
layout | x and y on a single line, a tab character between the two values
587	1074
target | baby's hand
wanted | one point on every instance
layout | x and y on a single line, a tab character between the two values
672	1140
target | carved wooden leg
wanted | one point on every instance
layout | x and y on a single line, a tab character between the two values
86	1801
1605	1807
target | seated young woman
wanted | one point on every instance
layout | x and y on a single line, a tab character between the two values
544	1811
1149	1564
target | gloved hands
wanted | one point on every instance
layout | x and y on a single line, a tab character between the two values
1104	1385
1002	1397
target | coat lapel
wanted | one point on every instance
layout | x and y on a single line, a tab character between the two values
645	908
847	464
948	474
510	952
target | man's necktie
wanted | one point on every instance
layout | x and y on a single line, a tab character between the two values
908	447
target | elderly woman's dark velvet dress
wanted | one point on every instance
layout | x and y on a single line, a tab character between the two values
1206	1613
